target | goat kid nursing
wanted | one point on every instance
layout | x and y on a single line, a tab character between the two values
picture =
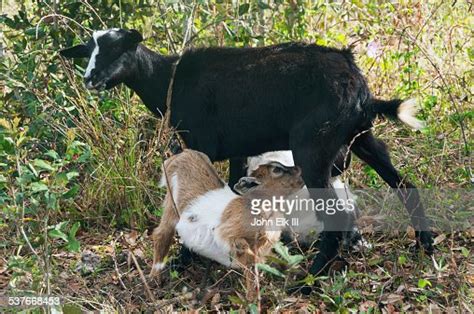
212	220
307	231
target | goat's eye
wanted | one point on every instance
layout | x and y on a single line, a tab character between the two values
277	170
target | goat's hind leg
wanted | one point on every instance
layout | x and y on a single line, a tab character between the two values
374	153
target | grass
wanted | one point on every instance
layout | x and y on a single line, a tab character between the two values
71	158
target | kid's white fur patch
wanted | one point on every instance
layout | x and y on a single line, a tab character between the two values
199	223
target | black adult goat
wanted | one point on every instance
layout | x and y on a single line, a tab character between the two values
235	103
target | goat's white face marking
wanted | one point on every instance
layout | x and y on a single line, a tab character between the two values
285	157
95	52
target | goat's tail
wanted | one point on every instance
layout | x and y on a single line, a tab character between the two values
404	110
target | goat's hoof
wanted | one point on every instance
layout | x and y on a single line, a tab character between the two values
425	238
156	270
338	265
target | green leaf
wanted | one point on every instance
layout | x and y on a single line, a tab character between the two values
58	234
268	269
263	6
72	174
73	245
74	228
244	8
283	251
61	179
422	283
402	259
235	300
51	200
53	154
38	187
43	164
253	308
72	192
174	274
309	280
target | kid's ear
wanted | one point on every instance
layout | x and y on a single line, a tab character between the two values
79	51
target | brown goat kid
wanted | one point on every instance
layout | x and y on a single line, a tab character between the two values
212	220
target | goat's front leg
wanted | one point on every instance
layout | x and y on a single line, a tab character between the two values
236	170
163	236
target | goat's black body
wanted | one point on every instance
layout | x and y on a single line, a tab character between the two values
233	103
243	102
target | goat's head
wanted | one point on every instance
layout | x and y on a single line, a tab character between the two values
272	176
111	56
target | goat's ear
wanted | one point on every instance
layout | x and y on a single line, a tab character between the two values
79	51
134	36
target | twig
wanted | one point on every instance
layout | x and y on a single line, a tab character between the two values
451	97
142	276
169	95
257	279
179	299
95	12
168	34
116	266
346	157
61	16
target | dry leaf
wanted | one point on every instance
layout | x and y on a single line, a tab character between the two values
411	233
216	298
390	309
367	305
439	239
392	298
400	288
131	238
104	249
470	278
388	265
139	253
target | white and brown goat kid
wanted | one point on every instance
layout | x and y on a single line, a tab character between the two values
307	231
211	219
